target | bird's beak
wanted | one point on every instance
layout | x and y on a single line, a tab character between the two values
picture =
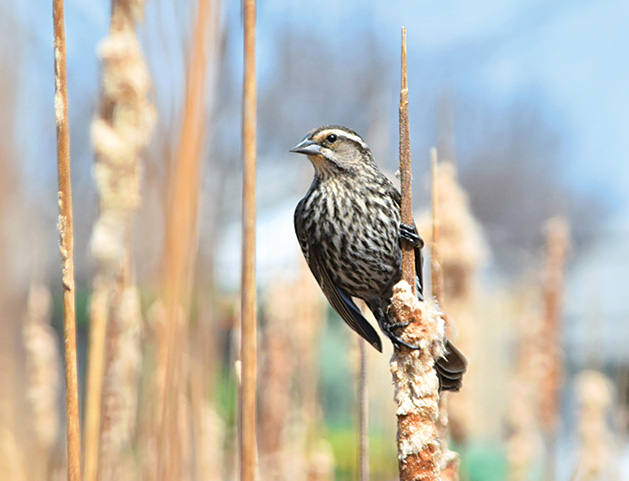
307	147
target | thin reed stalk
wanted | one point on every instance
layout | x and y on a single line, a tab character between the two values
415	380
181	239
450	459
248	346
363	410
436	271
67	245
408	255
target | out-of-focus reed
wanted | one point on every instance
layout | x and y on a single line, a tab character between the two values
120	133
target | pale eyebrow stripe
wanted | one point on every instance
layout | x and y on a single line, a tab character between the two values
347	135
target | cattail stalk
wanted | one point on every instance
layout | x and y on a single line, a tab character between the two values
417	386
67	244
415	380
180	253
120	133
248	346
408	255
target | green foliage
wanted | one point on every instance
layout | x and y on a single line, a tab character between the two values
483	462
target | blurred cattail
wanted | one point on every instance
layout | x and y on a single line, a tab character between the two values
320	463
42	367
310	317
11	462
120	389
557	245
120	134
461	252
596	458
209	443
278	366
524	445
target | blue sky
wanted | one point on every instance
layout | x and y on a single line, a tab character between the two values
573	52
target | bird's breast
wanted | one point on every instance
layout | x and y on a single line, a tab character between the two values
358	231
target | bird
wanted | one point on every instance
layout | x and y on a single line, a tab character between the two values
350	232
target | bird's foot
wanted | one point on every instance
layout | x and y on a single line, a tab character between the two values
395	339
409	234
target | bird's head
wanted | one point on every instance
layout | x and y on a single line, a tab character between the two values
335	150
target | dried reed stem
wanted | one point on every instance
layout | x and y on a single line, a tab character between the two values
248	346
67	244
416	383
408	255
180	253
95	369
436	272
450	459
363	411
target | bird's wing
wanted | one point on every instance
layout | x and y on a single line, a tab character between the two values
419	258
338	299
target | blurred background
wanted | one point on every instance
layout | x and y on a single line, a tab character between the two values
527	104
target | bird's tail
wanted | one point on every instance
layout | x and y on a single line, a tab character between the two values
450	368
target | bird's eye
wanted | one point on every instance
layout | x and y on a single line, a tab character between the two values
331	138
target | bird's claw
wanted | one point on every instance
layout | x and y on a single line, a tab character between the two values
396	340
410	235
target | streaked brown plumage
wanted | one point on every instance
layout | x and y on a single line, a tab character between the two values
348	227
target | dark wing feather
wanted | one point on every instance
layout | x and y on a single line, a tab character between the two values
338	299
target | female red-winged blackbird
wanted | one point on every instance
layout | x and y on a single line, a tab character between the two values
348	226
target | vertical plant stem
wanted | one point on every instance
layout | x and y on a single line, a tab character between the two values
363	409
408	255
67	244
450	459
248	308
415	380
436	272
180	251
95	371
